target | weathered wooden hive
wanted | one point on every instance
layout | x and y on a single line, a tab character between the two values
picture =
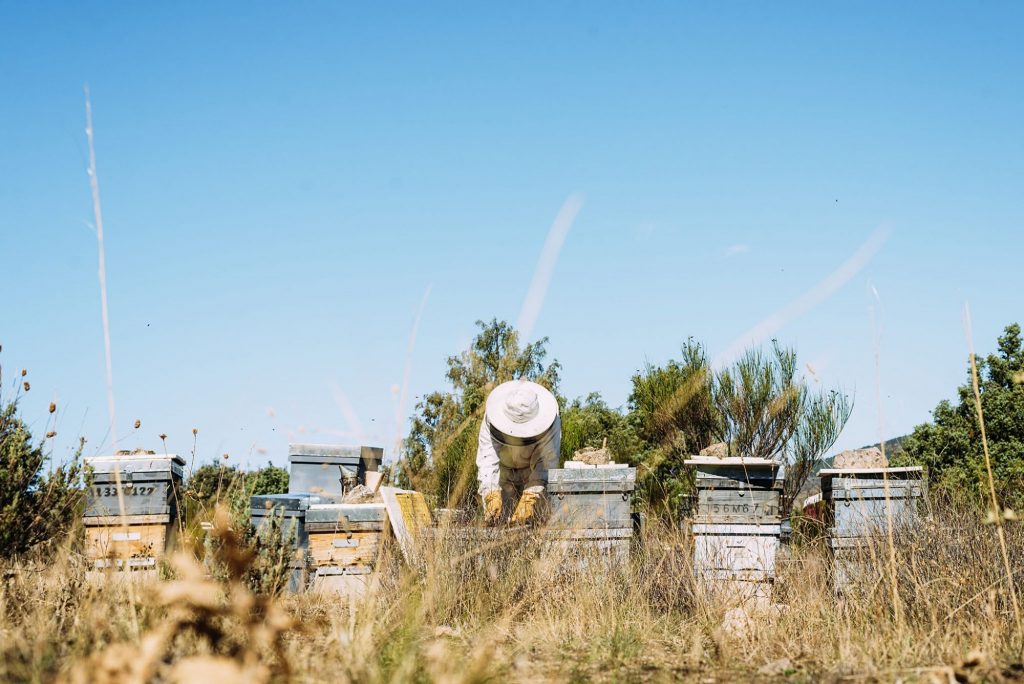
325	468
285	514
737	524
149	491
859	503
590	510
345	542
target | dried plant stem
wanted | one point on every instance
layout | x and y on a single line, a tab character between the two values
996	511
94	185
897	606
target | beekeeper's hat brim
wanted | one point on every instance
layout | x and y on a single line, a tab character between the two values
547	410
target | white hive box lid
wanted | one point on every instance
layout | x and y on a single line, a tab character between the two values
905	471
581	465
733	461
135	457
138	464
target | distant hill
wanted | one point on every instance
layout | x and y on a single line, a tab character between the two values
892	446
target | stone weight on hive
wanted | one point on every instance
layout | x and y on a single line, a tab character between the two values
148	486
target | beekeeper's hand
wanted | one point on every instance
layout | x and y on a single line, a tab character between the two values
492	507
528	510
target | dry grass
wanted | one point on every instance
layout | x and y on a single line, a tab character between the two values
509	609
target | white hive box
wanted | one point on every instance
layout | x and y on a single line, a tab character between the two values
737	524
859	504
591	515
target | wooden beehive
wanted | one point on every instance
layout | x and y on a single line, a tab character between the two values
737	524
859	501
288	512
131	510
859	505
345	544
591	514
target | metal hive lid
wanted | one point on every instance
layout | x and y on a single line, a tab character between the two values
136	463
290	502
904	473
330	453
592	479
329	513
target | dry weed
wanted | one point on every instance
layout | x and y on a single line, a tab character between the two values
506	607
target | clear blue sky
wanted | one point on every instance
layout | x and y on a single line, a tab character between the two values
282	183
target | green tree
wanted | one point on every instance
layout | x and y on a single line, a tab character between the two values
35	506
269	479
671	416
215	483
950	446
210	483
767	411
758	407
439	455
589	422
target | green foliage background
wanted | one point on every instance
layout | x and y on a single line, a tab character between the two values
950	446
36	504
440	452
673	412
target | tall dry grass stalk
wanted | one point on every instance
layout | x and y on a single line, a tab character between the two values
94	185
877	343
995	511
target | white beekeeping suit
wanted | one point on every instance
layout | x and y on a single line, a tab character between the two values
520	438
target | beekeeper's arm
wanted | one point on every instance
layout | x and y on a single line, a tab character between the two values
487	474
486	461
545	457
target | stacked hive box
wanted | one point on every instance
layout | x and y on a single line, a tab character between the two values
148	489
288	511
345	543
324	468
859	503
590	511
737	525
319	475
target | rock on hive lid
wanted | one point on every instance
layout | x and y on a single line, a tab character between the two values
521	408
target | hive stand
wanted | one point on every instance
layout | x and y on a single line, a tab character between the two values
737	526
149	486
858	505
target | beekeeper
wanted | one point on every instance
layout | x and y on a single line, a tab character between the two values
520	438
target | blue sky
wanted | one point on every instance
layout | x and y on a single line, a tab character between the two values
282	185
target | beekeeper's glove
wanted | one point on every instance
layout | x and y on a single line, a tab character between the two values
528	510
492	507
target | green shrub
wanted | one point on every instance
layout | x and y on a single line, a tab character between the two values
35	505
